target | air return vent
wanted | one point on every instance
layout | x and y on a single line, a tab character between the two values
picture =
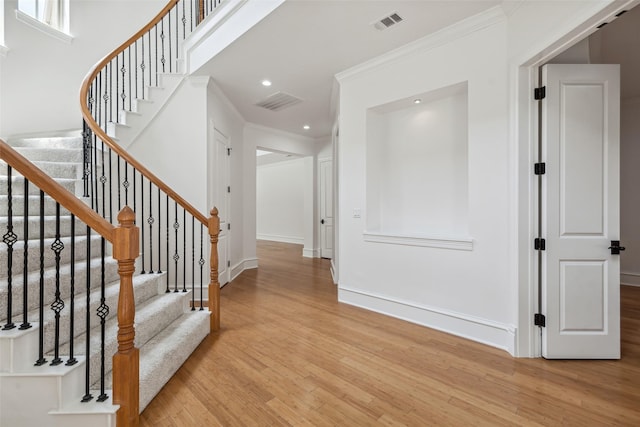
387	21
278	101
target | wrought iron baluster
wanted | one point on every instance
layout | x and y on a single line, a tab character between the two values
58	304
184	21
86	156
72	360
142	66
135	58
159	241
169	31
118	176
105	97
125	184
117	91
103	181
177	55
150	221
176	257
142	220
25	261
149	51
123	71
110	189
162	58
201	262
103	312
94	174
156	34
184	250
167	241
193	263
87	350
10	238
41	360
130	97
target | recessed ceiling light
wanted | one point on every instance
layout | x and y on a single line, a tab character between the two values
266	83
306	127
417	101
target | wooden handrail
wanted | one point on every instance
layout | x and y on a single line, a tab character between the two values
69	201
95	127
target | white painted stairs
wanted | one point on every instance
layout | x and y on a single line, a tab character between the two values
167	330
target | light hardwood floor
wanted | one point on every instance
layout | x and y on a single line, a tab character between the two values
289	354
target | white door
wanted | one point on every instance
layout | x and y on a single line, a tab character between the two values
581	285
222	203
326	209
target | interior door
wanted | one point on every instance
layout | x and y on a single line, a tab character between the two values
326	209
223	191
580	211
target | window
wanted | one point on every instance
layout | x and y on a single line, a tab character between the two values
51	12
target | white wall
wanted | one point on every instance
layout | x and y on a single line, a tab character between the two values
42	75
425	284
280	193
629	196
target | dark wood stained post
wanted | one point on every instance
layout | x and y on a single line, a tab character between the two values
126	362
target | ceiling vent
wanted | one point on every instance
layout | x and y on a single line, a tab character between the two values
278	101
387	21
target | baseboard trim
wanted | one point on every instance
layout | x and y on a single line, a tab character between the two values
630	279
484	331
311	253
281	239
243	265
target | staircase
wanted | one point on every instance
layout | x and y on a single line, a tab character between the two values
167	329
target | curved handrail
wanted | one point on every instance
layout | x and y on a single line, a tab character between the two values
97	129
56	191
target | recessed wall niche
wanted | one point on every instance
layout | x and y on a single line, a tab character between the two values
417	168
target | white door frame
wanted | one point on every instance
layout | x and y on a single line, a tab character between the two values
524	130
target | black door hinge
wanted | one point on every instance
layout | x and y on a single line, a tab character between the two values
539	244
228	151
540	168
229	263
229	226
539	320
539	93
229	189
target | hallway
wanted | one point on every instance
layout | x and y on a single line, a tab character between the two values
288	354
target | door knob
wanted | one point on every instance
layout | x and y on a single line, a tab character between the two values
322	221
615	247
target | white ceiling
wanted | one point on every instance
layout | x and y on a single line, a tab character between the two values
304	43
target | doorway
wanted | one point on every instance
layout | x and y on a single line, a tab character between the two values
597	48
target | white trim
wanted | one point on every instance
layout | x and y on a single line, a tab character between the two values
44	28
630	279
281	239
245	264
334	272
446	35
311	253
485	331
279	132
444	242
3	51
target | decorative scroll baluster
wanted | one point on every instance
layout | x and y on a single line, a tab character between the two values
125	184
9	239
103	181
150	221
142	67
162	58
123	71
130	97
142	219
201	262
72	257
193	263
118	177
159	227
150	62
184	21
25	270
87	351
110	189
184	250
169	31
103	312
86	160
167	242
176	256
135	58
41	360
58	304
156	56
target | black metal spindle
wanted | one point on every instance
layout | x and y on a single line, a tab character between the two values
129	68
87	395
193	263
177	54
25	261
169	31
156	57
9	239
103	312
176	257
167	241
86	156
123	71
125	184
135	57
142	219
159	227
117	90
103	181
118	176
162	58
94	175
58	304
184	21
41	360
142	66
72	292
149	52
150	221
110	188
184	250
201	262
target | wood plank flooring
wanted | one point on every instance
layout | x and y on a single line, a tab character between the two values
289	354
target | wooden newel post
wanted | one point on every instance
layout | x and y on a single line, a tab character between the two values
214	284
126	362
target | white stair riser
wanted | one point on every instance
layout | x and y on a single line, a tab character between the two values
17	185
48	142
51	155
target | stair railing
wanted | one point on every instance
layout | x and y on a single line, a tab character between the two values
27	185
171	230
